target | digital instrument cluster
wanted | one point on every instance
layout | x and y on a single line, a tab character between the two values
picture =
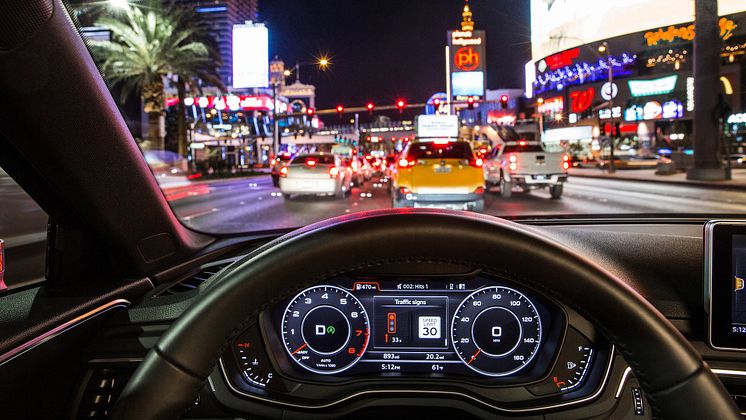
416	327
363	332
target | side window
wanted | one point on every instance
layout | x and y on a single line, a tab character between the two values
23	233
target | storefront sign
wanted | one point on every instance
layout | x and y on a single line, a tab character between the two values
686	33
563	59
580	100
633	113
552	105
672	109
609	91
737	118
606	114
661	86
652	111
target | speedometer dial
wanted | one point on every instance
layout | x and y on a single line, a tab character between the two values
325	329
496	331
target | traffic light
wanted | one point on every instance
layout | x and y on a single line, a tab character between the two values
436	102
400	105
470	102
340	109
504	101
370	106
310	111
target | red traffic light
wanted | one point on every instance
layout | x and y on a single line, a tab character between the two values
340	108
370	106
470	100
310	111
401	104
504	98
436	102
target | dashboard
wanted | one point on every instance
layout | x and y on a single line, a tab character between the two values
471	335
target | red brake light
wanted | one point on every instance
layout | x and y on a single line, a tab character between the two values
513	158
310	162
333	172
565	158
284	171
477	163
273	162
565	165
522	143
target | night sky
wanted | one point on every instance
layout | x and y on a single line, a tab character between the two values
383	49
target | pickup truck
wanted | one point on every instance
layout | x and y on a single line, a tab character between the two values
525	164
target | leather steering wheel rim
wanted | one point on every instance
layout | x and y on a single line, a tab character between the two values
676	380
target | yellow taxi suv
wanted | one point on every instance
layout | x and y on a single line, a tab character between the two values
439	173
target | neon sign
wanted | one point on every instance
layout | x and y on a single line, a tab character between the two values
686	33
466	59
737	118
581	100
659	86
585	72
563	59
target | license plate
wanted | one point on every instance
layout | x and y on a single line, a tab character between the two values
442	169
307	185
540	177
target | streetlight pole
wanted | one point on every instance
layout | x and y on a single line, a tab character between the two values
604	47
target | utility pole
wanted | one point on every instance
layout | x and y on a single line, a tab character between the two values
605	48
707	44
275	121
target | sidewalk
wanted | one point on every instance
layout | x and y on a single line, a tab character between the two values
648	175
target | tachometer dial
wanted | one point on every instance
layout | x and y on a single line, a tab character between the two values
496	331
325	329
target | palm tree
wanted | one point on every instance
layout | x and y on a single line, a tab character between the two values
150	42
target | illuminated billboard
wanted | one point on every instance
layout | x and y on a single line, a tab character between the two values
469	83
250	56
559	25
467	63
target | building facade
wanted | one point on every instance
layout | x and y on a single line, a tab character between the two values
635	86
220	16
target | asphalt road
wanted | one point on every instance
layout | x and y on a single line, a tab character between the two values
253	204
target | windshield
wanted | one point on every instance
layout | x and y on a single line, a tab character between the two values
460	150
223	97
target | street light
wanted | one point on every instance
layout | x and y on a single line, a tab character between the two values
322	62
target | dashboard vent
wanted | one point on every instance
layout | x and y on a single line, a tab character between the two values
193	281
102	390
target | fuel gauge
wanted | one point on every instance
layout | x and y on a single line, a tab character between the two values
571	368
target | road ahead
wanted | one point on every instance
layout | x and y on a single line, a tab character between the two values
253	204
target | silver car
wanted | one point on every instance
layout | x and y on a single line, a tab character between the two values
315	174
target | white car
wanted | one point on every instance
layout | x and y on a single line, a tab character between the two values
315	174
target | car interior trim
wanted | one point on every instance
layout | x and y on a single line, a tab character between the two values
626	373
591	397
41	339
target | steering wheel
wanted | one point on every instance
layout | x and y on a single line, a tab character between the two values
676	380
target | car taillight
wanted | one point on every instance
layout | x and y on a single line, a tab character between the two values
513	165
565	165
310	162
404	163
479	190
565	158
273	162
284	171
404	190
333	172
477	162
